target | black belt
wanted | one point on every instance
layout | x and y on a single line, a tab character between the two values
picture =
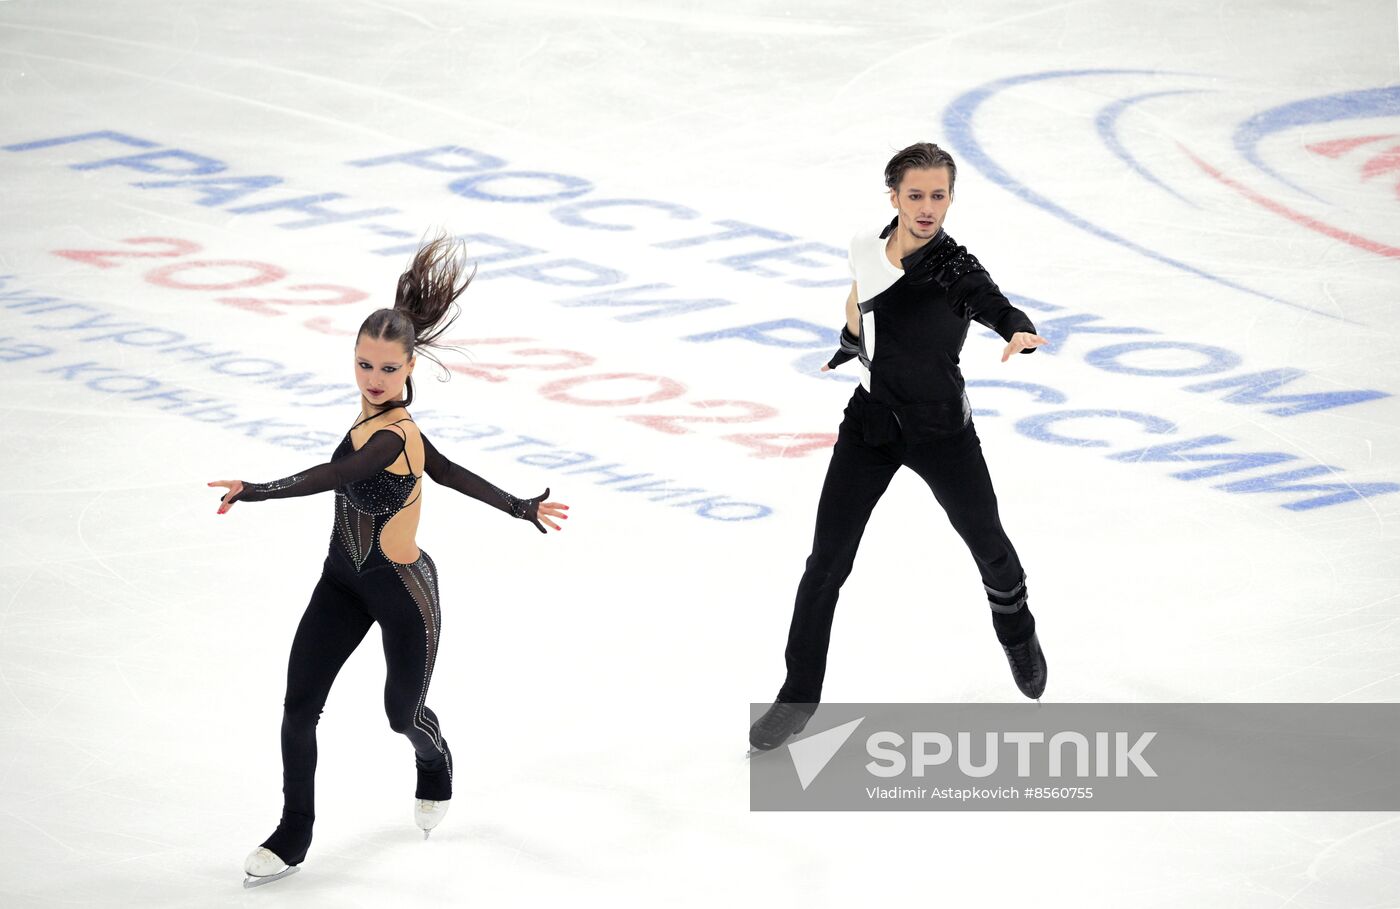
883	424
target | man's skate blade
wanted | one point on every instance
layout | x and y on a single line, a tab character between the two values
257	881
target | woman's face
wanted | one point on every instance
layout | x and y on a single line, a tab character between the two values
381	369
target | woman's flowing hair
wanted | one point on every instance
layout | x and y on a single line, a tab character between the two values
427	292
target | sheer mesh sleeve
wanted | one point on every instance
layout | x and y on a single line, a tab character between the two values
382	449
455	476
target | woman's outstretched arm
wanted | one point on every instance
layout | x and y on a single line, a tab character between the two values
455	476
382	449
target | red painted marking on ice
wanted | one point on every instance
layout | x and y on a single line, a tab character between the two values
784	444
613	389
1338	147
1297	217
324	326
1387	160
262	273
563	389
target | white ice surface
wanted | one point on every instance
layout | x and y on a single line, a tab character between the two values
595	684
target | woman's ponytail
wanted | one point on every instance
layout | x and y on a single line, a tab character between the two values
426	294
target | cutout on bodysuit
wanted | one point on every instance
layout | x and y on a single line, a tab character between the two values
410	500
385	530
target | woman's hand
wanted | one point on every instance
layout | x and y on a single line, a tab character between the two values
1021	340
552	510
234	488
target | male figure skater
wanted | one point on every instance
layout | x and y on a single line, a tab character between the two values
914	293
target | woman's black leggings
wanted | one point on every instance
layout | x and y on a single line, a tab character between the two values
403	599
858	475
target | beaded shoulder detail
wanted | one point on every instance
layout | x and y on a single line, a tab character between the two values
958	265
946	264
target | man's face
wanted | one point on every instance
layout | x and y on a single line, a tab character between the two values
922	199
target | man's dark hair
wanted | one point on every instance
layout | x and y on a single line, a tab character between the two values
919	155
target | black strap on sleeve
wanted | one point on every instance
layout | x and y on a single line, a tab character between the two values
850	348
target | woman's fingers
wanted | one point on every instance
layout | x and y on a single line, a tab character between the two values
233	487
548	510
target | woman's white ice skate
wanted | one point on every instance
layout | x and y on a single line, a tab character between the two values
263	867
429	814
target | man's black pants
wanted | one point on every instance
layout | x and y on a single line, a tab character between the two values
865	459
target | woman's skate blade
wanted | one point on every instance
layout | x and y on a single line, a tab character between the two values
253	880
428	814
270	865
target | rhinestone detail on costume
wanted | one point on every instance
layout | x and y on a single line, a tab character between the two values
274	485
363	508
384	493
420	580
518	507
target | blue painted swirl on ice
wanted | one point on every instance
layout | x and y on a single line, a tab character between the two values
1107	124
959	125
1370	102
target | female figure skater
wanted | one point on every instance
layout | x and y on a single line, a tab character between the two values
374	571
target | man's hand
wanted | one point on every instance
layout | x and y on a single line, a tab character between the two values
1021	340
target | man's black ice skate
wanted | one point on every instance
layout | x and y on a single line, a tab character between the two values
782	721
1027	666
